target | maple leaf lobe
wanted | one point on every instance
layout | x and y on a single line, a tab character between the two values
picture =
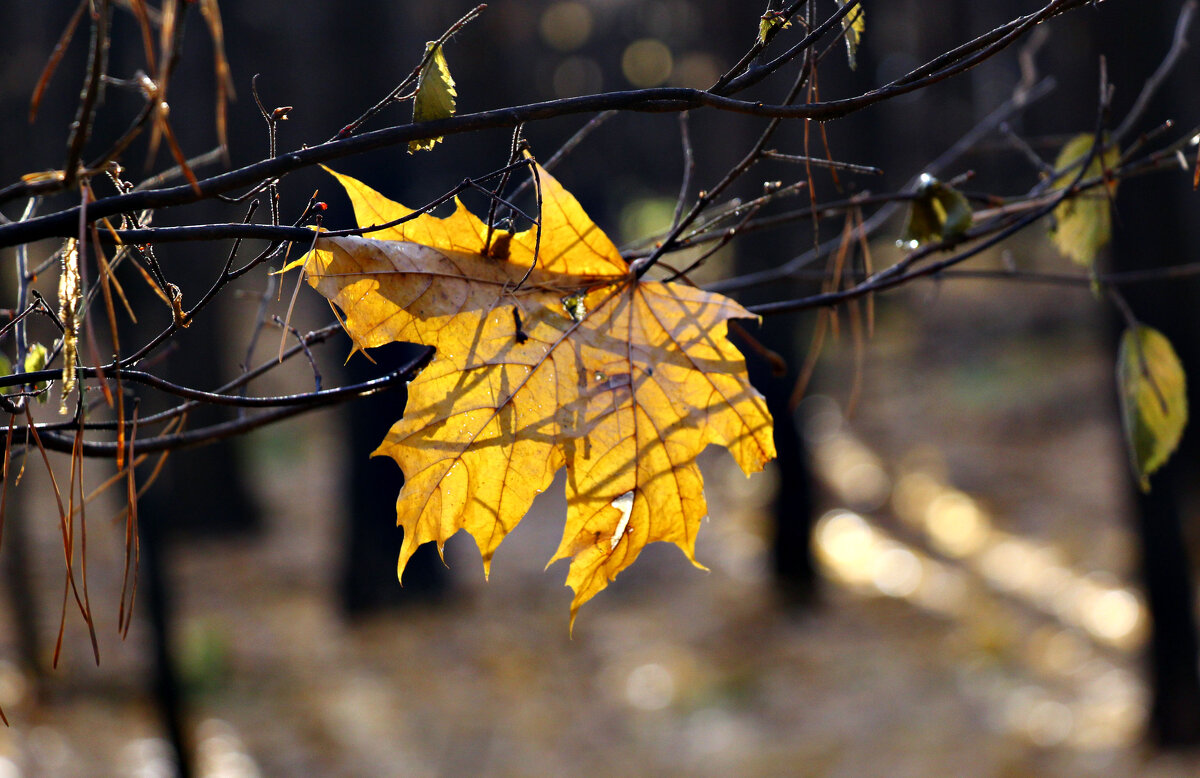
567	361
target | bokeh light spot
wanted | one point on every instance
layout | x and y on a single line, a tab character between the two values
647	62
566	26
646	217
696	70
1112	614
650	687
956	525
896	572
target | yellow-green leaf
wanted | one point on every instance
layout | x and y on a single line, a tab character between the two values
769	24
1083	223
938	212
435	95
1153	392
36	360
854	24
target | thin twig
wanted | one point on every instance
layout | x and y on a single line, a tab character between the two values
56	56
689	169
412	77
81	128
514	151
1178	45
211	434
1017	103
822	162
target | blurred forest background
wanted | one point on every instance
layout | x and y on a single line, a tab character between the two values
979	610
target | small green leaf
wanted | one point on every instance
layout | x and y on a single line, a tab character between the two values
770	23
939	212
36	360
1153	392
921	225
1083	223
435	95
954	210
854	24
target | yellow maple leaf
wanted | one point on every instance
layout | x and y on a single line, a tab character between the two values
621	380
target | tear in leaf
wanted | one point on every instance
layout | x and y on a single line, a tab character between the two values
435	95
1153	392
939	212
624	504
621	381
854	24
1083	223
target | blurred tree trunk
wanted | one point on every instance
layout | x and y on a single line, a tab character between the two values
167	691
1150	234
793	506
1154	227
368	577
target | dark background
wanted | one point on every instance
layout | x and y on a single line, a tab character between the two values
277	582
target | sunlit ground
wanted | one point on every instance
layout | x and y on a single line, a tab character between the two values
978	615
1070	683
